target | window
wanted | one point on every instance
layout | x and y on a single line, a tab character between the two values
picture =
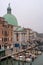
5	33
17	34
2	31
5	39
11	39
3	25
2	39
0	46
8	26
8	39
11	26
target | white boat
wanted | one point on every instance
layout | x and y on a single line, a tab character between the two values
12	56
39	52
21	57
28	59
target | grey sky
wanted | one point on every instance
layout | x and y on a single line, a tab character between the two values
29	13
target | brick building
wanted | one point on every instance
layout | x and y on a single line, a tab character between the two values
6	33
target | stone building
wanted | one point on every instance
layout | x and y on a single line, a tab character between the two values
23	35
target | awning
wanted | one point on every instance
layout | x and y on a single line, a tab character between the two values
16	44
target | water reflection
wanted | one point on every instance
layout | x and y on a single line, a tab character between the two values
11	61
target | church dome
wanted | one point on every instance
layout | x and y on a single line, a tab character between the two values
11	19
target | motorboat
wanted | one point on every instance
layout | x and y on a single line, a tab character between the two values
39	52
21	57
28	59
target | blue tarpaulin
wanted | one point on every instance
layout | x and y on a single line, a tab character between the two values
17	45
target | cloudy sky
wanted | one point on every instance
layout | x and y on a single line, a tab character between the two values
29	13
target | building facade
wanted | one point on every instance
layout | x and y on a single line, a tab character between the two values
11	33
6	33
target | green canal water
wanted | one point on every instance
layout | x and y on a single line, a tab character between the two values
10	61
38	61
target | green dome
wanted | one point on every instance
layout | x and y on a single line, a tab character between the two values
11	19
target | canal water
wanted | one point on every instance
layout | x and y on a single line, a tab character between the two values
38	61
10	61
